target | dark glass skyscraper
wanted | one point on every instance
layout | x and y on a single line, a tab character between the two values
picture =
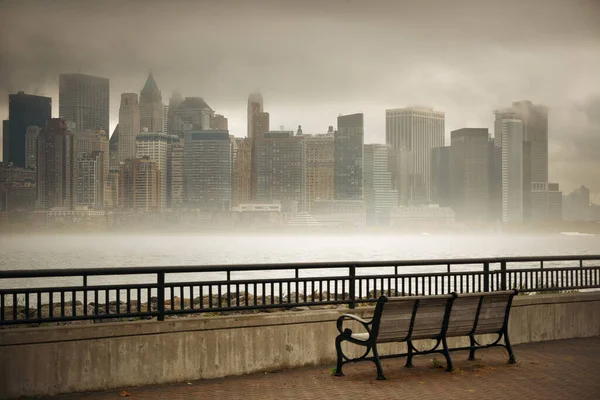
83	99
24	110
348	157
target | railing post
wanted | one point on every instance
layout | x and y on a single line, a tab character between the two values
352	286
85	299
161	295
486	276
503	275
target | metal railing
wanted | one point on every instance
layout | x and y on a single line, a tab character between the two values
146	292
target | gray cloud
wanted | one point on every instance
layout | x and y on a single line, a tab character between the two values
314	60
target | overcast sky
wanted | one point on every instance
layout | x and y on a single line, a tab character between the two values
314	60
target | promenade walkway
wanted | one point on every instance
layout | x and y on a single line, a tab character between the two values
565	369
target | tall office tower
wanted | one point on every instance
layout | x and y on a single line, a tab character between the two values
114	148
379	195
24	110
84	99
319	168
151	106
207	170
401	168
154	146
5	139
348	157
469	166
55	163
255	108
219	122
165	129
281	163
139	185
193	114
260	124
242	164
129	125
31	146
85	144
508	137
90	180
111	189
441	187
418	130
547	199
174	101
174	171
535	131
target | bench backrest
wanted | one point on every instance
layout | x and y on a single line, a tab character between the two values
397	319
479	313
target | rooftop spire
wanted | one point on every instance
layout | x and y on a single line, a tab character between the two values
150	83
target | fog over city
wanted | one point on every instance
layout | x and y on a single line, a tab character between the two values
314	60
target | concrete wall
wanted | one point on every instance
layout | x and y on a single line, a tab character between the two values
53	360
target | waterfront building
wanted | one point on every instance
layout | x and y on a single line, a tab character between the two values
241	176
129	126
418	130
55	164
84	99
207	170
421	217
469	174
339	213
281	168
90	180
576	205
379	195
24	110
151	106
319	168
400	162
31	146
348	157
547	199
508	138
139	185
17	188
175	168
440	177
154	145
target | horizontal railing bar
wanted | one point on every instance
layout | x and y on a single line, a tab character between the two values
58	289
64	272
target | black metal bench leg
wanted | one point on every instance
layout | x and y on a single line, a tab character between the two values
409	357
446	353
340	361
380	376
511	355
472	344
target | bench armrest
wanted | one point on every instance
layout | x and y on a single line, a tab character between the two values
348	331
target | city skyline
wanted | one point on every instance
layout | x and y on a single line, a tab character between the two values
546	58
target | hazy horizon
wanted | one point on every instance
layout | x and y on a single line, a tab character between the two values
314	61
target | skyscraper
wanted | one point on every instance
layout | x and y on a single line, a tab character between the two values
401	165
24	110
441	176
207	170
241	175
418	130
114	148
281	168
319	168
348	157
90	180
5	140
535	131
84	100
151	106
31	146
174	101
165	119
139	185
175	194
508	137
129	125
55	163
191	114
469	174
154	146
380	197
255	108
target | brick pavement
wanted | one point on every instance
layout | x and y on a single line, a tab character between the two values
565	369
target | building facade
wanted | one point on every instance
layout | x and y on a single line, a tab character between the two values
139	185
84	99
175	182
241	176
469	180
90	180
129	126
348	157
508	138
154	145
281	168
55	165
319	168
418	130
441	186
151	106
547	199
192	114
207	170
31	146
379	195
24	110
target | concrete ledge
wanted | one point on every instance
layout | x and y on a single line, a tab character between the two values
75	358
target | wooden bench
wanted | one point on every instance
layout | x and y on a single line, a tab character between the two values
405	319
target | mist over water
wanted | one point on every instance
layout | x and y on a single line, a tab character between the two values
129	250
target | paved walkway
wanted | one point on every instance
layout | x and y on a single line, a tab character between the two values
565	369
